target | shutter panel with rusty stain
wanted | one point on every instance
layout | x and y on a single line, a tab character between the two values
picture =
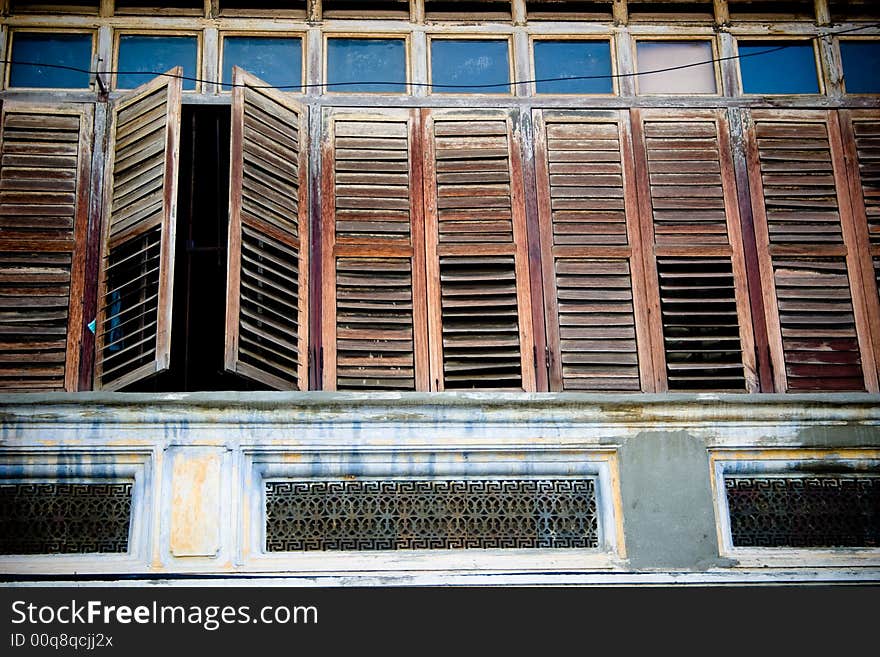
267	299
809	259
133	332
374	322
479	307
588	214
700	317
45	158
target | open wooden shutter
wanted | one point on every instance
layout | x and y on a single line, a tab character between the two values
137	258
807	248
267	299
478	278
588	212
374	323
861	142
695	266
45	158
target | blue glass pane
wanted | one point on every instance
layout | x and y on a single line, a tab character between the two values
73	50
457	62
861	66
277	61
153	55
566	59
362	61
791	70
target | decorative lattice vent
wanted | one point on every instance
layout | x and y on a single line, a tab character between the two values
431	514
63	518
804	511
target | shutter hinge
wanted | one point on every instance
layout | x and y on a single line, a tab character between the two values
535	356
548	356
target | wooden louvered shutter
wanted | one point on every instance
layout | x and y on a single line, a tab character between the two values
137	258
809	262
479	307
267	299
861	139
587	207
374	323
45	158
700	316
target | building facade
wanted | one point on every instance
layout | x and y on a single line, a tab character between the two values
496	292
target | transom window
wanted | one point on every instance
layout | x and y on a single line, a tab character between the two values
470	66
141	57
675	67
778	67
372	65
276	60
62	49
586	63
861	63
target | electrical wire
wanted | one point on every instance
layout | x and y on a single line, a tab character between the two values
609	76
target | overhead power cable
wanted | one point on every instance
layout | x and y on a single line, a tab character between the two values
398	83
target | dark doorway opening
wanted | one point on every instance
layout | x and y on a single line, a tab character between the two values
199	314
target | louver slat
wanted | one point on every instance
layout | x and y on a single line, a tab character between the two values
690	216
375	327
479	299
266	305
800	198
137	267
817	324
809	252
44	163
585	193
374	324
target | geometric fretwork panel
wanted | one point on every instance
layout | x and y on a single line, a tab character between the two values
804	511
431	514
56	518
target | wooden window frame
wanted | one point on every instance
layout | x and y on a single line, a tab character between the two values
631	252
326	36
851	247
734	248
518	249
817	62
10	41
268	230
472	36
683	37
610	39
166	227
80	232
413	249
198	34
280	34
